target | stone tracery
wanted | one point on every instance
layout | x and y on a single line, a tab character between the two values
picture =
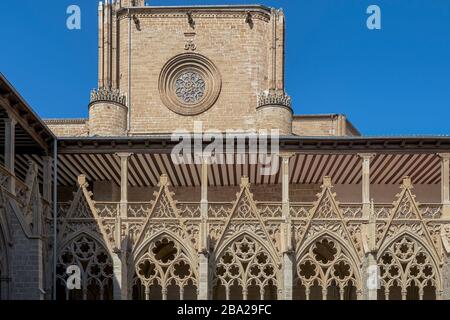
165	271
96	270
190	87
325	272
245	271
407	271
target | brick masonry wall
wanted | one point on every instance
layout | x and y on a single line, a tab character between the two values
68	129
313	127
107	119
240	53
275	118
26	263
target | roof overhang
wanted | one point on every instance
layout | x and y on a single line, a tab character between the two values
32	135
305	145
339	158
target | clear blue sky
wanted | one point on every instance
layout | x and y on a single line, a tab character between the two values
393	81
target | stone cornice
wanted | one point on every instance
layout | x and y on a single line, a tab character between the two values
65	121
239	12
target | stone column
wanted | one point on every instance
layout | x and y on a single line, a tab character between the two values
120	255
288	250
370	270
124	157
10	152
366	157
445	185
204	289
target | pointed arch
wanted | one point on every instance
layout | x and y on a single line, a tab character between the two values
140	249
246	269
164	268
266	245
408	269
327	269
88	252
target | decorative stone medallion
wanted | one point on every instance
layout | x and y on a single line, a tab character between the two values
189	84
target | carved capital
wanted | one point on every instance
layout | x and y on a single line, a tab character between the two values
286	155
444	156
124	154
366	156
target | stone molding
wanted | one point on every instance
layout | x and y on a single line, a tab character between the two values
108	95
274	98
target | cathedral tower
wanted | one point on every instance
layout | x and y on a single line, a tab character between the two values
163	69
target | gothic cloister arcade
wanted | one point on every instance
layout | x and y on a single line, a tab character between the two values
241	250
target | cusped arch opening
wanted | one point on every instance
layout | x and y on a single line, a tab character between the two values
245	270
164	270
84	270
326	270
408	270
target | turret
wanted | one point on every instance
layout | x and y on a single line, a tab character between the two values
274	105
108	113
274	111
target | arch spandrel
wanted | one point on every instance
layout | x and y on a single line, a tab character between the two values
82	216
244	218
164	215
326	217
406	218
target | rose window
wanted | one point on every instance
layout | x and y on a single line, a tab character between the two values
190	87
